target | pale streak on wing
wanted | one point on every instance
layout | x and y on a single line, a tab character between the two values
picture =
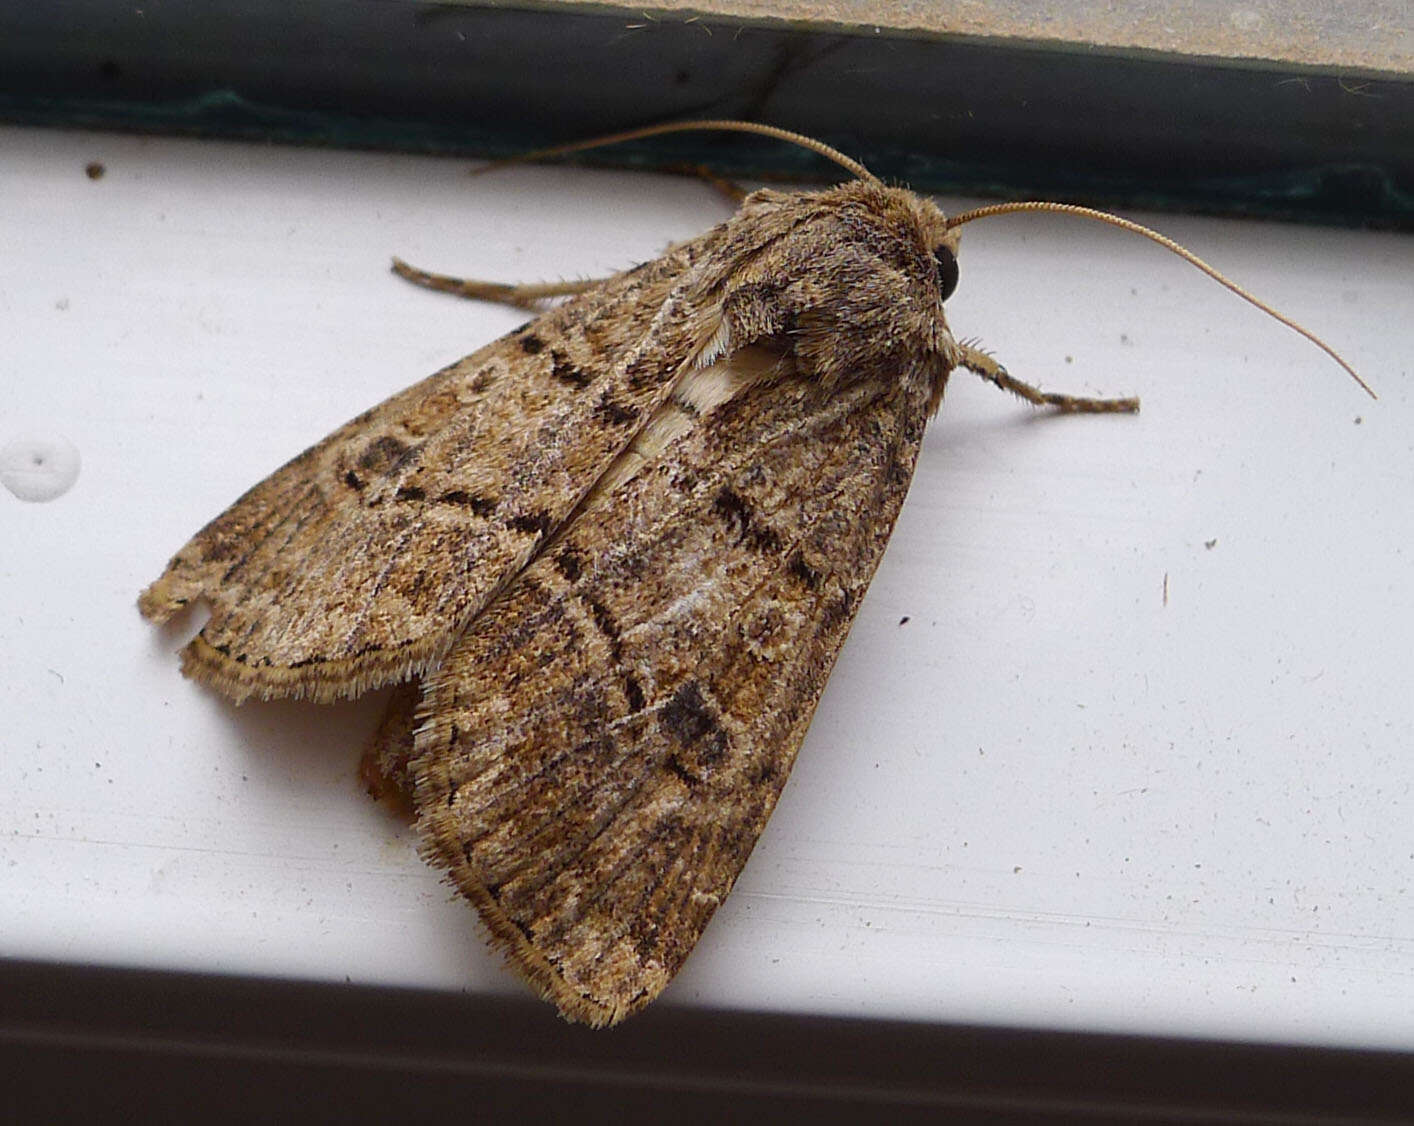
602	748
699	391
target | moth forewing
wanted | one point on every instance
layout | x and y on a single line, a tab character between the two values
359	562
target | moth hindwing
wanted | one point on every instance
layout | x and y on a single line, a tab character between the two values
612	558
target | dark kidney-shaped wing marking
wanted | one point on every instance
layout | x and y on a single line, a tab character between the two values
604	745
360	561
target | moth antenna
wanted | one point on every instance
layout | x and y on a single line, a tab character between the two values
1168	244
715	125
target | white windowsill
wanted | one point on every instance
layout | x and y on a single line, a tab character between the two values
1047	799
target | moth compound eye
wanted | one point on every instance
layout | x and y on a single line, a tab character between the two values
947	270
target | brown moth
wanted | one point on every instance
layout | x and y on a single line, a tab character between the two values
610	558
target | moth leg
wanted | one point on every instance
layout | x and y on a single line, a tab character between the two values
521	296
384	766
977	361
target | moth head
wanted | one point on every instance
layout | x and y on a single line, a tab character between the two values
937	234
942	243
932	233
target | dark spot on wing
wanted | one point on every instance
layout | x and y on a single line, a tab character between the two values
603	619
690	723
382	454
531	523
803	572
530	344
568	563
633	693
643	372
480	506
607	626
736	512
676	766
567	372
730	506
615	413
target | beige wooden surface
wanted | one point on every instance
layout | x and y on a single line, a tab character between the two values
1364	35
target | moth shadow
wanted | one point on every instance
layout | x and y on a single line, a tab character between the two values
305	738
296	751
297	727
166	638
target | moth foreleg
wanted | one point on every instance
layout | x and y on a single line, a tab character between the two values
978	362
521	296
